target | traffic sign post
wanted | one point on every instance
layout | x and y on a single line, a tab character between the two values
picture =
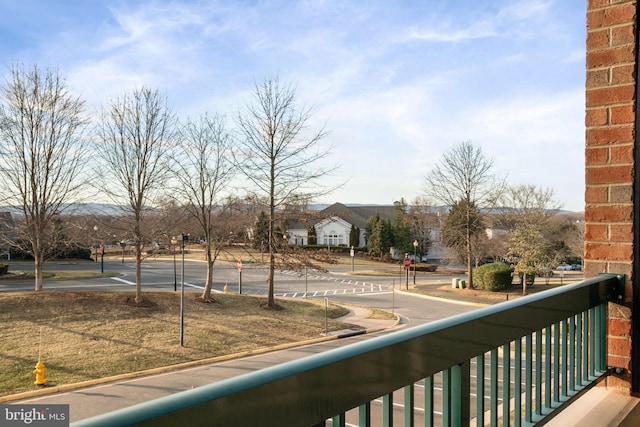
407	265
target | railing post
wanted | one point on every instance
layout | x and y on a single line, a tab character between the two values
602	337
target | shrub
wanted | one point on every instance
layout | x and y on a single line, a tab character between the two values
4	269
493	277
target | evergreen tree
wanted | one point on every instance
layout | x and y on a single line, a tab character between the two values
261	231
354	236
402	239
312	236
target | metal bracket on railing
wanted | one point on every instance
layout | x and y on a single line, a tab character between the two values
615	288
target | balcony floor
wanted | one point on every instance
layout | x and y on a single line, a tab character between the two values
600	407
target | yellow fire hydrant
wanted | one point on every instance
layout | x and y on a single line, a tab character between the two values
39	371
226	288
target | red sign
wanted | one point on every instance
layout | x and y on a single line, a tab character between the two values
407	262
239	265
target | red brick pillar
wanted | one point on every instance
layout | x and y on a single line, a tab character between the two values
610	215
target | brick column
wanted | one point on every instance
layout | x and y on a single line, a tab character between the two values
610	215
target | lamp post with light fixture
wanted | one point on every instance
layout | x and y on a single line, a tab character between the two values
95	230
174	242
184	238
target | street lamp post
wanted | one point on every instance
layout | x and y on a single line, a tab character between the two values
183	239
415	254
174	242
95	230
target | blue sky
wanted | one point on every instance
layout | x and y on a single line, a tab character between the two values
395	83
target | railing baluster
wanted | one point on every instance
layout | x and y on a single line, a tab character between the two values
564	368
428	402
494	387
556	363
338	420
539	373
517	383
409	417
528	380
548	349
586	346
592	344
480	408
387	410
364	415
572	354
506	383
460	391
579	350
446	397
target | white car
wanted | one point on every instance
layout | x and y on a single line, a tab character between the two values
564	267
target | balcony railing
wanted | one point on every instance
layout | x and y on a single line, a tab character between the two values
512	363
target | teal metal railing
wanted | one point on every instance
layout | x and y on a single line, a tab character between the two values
512	363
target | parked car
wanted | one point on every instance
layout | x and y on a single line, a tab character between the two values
576	267
564	267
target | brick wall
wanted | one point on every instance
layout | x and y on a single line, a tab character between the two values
610	133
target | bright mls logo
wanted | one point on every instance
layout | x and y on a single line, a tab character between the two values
34	415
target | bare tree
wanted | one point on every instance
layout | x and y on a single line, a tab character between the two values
464	178
41	136
204	170
277	153
137	130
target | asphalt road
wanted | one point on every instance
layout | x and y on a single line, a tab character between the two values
164	275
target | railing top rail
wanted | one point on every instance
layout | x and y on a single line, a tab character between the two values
307	390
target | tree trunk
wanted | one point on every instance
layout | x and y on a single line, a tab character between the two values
469	258
38	272
138	273
206	293
272	262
